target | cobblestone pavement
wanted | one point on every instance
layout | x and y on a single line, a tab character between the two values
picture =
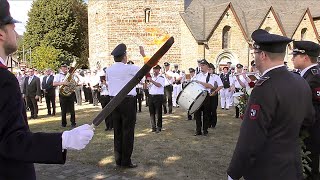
77	171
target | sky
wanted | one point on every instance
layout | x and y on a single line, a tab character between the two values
19	10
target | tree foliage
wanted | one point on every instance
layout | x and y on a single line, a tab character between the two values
61	24
45	57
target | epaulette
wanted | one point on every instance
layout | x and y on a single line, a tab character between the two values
262	80
315	71
161	76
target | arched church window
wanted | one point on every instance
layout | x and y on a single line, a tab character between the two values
268	29
226	37
303	33
147	14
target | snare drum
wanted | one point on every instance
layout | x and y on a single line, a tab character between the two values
192	97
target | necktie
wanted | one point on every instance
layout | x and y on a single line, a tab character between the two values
30	79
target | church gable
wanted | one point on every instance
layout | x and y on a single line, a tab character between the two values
271	23
306	29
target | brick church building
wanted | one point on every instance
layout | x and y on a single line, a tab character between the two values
217	30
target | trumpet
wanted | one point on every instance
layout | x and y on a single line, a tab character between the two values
247	73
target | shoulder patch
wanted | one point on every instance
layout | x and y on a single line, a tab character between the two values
315	71
262	80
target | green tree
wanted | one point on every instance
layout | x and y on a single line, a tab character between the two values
61	24
45	57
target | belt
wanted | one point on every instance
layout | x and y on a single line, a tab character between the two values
104	95
127	96
155	95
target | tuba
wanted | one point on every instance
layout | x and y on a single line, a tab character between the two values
72	80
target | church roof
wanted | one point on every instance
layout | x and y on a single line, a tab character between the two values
202	16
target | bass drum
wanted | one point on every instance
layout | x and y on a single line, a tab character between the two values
192	97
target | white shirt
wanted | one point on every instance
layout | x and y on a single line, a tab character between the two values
154	90
30	79
265	72
203	78
237	83
306	69
216	78
118	75
104	90
168	81
59	77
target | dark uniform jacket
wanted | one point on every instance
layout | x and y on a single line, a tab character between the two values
33	88
48	85
312	76
268	146
20	148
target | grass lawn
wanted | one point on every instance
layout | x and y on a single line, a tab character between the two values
172	154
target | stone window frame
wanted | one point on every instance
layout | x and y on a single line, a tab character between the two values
268	29
147	15
303	33
226	34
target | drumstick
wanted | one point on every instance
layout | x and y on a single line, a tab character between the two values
107	110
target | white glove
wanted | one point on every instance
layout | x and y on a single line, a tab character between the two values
77	138
229	178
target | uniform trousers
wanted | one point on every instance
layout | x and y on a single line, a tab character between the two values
104	100
204	110
167	99
225	98
176	90
155	108
78	95
67	105
51	100
124	119
237	109
146	93
213	114
33	105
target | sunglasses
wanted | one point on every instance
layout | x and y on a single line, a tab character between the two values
245	69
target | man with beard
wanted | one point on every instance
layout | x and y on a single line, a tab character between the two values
268	144
304	58
19	147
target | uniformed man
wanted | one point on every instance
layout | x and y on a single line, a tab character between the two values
304	58
66	102
268	144
214	96
239	83
156	91
225	92
168	88
192	73
204	79
124	116
19	147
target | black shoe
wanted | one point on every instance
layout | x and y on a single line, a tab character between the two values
73	126
63	125
130	166
153	130
198	134
205	133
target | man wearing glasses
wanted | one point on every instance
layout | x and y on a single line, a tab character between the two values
32	93
268	144
304	58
